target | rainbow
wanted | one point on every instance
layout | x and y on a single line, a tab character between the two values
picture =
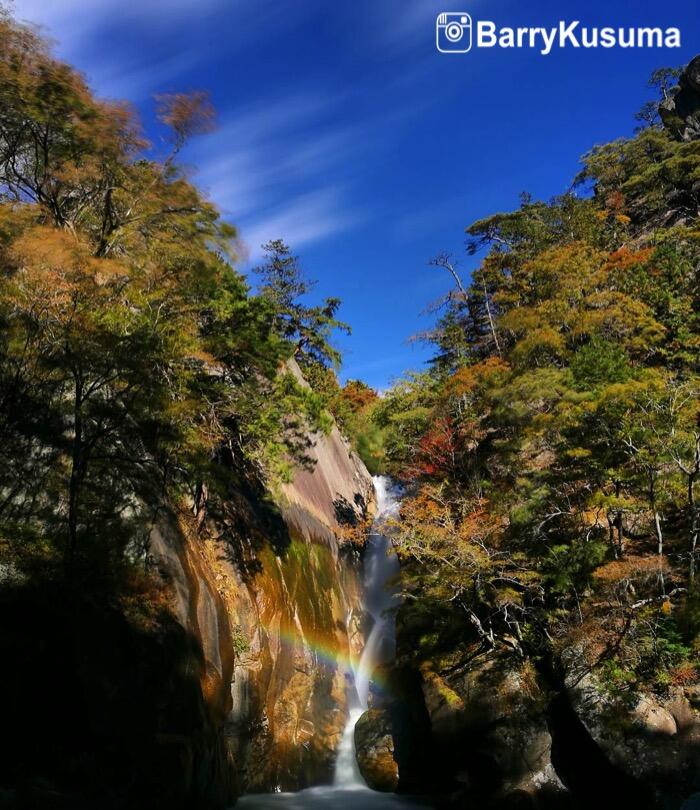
330	653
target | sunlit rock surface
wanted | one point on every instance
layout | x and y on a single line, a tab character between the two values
374	745
278	616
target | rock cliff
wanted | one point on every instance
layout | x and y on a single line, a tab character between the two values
271	614
680	112
493	729
213	664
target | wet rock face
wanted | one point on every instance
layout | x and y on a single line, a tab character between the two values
300	613
374	745
289	688
300	616
277	614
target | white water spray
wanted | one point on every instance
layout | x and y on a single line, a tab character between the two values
380	596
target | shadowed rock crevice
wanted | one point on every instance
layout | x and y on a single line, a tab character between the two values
585	769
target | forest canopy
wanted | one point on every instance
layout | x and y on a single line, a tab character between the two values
136	365
551	452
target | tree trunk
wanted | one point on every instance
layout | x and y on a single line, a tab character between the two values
694	516
76	474
491	323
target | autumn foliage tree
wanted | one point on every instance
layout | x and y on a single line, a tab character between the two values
550	454
134	361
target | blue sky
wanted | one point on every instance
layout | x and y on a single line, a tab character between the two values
343	131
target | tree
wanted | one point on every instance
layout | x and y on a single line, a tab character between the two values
550	452
665	82
134	364
307	328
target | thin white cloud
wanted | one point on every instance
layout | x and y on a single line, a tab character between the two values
76	26
71	20
249	161
396	26
300	221
137	81
279	169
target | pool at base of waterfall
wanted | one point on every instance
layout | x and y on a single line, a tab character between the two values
357	798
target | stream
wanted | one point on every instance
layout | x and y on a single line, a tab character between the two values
349	790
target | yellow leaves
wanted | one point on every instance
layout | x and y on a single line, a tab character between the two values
566	266
107	271
57	274
566	295
539	344
452	533
631	568
203	357
624	398
507	596
577	453
468	378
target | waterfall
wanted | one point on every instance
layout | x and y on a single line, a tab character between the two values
381	568
380	595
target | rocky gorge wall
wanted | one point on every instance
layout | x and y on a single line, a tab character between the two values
478	727
277	616
214	663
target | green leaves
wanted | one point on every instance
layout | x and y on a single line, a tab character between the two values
134	363
600	362
307	329
562	409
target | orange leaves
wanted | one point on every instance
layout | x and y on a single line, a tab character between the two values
51	262
479	523
685	674
50	265
624	259
358	395
453	533
437	451
615	201
631	568
48	248
188	114
468	378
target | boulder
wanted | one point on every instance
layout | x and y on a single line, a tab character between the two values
374	745
650	738
680	112
489	724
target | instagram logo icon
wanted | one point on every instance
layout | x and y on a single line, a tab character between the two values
453	31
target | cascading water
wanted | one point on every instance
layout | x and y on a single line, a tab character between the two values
380	596
349	790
